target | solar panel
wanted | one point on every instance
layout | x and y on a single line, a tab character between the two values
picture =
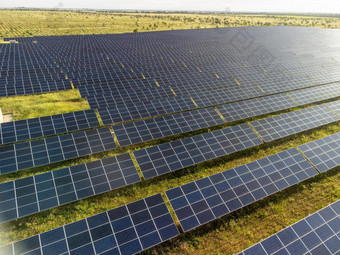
315	234
206	199
272	84
128	229
335	107
104	100
324	153
150	129
214	97
315	94
169	157
37	193
255	107
293	122
140	110
35	153
45	126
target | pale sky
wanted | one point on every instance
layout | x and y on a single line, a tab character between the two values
320	6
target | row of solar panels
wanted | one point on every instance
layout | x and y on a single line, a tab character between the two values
67	185
140	225
57	124
20	156
73	56
316	234
201	98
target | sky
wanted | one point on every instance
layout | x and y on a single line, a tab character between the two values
319	6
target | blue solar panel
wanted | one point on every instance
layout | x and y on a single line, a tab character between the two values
26	155
335	107
324	153
105	100
316	234
140	110
128	229
150	129
169	157
255	107
206	199
46	126
315	94
293	122
30	195
214	97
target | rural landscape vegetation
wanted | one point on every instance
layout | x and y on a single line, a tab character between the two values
228	235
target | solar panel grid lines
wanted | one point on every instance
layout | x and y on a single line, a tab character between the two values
215	97
20	156
212	197
33	194
114	98
315	94
255	107
315	234
46	126
128	229
323	153
175	155
160	127
283	125
139	110
334	106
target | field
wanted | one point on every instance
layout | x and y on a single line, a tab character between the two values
16	23
228	235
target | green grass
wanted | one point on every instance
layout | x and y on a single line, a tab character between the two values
32	106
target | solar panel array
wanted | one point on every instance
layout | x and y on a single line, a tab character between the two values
169	157
139	110
324	153
150	129
128	229
104	100
33	194
315	94
335	107
206	199
150	86
316	234
293	122
255	107
46	126
41	152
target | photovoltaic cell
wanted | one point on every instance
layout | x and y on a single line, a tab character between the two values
35	153
150	129
206	199
45	126
324	153
128	229
316	234
37	193
316	94
335	106
140	110
169	157
293	122
255	107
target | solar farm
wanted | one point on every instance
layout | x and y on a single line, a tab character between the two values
189	135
